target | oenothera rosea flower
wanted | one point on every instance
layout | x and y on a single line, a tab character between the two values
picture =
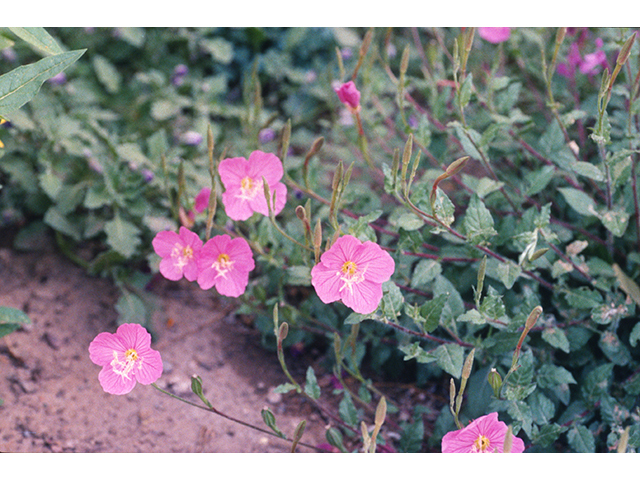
179	253
225	263
349	95
126	357
244	185
494	34
484	435
201	202
352	271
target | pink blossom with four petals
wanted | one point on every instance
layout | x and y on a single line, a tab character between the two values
244	186
178	252
353	272
225	263
126	357
484	435
349	95
494	34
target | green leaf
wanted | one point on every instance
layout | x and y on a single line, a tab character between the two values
311	386
478	222
299	275
348	411
581	439
431	311
285	388
122	236
588	170
556	338
39	39
579	201
11	319
412	435
425	271
443	208
583	297
107	74
616	221
449	357
472	316
508	272
547	434
539	180
270	421
22	84
465	91
131	309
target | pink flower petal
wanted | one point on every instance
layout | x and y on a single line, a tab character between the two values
265	165
232	171
363	298
201	202
488	427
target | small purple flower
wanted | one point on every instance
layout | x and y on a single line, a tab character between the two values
179	72
191	138
266	135
59	79
147	174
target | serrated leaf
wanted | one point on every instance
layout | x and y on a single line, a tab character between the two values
581	439
122	236
478	222
547	434
472	316
443	208
19	86
431	311
508	272
556	338
39	39
11	319
583	297
450	358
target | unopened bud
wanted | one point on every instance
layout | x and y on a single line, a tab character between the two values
626	50
495	381
283	331
468	363
301	213
533	318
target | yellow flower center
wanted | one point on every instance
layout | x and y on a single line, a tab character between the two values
222	265
249	188
349	268
481	444
124	367
350	275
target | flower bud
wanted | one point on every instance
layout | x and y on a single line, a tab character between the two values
495	381
349	95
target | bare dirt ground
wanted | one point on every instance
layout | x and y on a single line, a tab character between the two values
54	403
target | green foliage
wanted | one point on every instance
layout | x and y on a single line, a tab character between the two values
542	214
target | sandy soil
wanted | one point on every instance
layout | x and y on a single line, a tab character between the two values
54	403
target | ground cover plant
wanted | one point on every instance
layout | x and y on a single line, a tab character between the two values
452	208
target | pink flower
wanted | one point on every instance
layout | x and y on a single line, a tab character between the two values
494	34
178	252
353	272
225	264
592	61
126	357
484	435
349	95
244	186
201	201
589	64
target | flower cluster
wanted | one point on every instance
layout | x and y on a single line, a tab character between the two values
484	435
221	262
